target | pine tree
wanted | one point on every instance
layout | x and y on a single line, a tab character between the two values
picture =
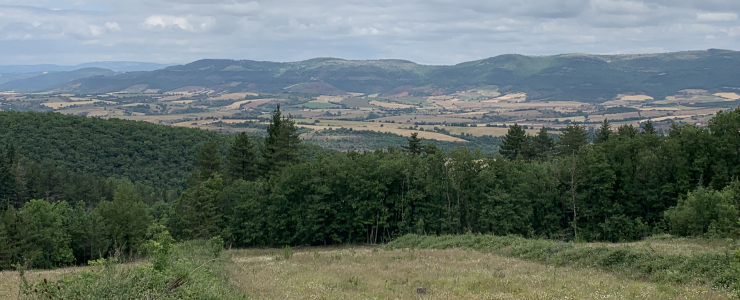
208	160
572	139
196	210
281	144
604	132
513	142
648	127
414	147
242	161
543	144
8	193
626	131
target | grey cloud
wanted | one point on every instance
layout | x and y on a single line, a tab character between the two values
426	31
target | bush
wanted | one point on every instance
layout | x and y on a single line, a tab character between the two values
191	273
704	211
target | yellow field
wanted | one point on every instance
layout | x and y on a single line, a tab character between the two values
233	96
729	96
481	130
364	273
636	98
387	127
389	105
252	103
328	99
517	97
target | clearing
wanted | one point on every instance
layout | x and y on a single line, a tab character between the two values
367	273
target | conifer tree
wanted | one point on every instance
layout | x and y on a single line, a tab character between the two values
648	127
626	131
242	161
414	146
572	139
604	132
281	144
513	142
197	210
208	160
543	144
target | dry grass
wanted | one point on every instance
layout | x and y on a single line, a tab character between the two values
329	99
389	104
729	96
636	98
364	273
247	103
374	126
233	96
10	280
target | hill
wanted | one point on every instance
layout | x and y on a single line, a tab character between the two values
141	151
118	66
581	77
48	81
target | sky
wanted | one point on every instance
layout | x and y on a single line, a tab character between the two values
424	31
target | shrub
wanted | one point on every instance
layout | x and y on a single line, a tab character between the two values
191	273
704	211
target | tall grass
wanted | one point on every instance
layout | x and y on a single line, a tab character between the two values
196	270
717	269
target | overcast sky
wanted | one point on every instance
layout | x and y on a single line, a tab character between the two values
424	31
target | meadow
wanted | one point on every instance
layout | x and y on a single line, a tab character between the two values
395	272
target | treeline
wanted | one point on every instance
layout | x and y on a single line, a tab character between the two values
158	156
627	184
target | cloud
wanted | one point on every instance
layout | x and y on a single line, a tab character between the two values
113	26
716	17
187	23
425	31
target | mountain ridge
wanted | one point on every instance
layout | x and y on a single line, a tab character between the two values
574	76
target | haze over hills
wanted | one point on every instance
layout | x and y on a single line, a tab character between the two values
582	77
118	66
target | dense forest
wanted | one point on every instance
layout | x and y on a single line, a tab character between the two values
624	185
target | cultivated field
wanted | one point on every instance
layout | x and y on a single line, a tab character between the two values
477	112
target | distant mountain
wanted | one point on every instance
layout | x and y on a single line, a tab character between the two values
49	81
8	77
118	66
583	77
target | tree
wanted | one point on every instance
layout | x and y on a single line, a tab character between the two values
703	211
281	145
626	131
414	147
605	131
47	239
543	144
513	142
648	127
197	215
208	160
126	218
11	184
572	139
242	161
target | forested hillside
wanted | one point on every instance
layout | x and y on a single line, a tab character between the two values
160	156
627	184
581	77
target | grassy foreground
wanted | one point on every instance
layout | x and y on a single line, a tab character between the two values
448	267
362	273
658	260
